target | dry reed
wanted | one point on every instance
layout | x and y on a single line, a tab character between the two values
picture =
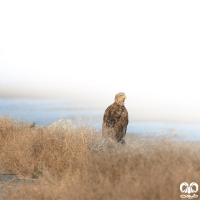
78	164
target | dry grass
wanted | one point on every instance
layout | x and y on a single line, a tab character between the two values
79	165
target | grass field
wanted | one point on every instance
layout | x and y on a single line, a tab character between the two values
78	164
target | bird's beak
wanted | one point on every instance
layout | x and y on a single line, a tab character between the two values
124	97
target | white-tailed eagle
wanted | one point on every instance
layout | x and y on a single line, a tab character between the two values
115	120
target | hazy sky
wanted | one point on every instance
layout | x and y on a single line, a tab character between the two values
147	77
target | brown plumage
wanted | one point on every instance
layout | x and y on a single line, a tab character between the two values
115	119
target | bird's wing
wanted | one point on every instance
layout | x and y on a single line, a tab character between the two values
125	120
111	116
121	125
116	118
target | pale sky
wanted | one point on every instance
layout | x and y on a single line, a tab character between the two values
148	78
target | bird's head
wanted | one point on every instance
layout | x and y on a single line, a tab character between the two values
120	98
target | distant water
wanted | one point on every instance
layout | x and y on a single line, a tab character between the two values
44	112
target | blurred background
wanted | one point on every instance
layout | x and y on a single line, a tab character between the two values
63	59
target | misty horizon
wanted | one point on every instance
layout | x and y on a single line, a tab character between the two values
159	85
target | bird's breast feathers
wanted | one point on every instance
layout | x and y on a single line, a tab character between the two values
115	113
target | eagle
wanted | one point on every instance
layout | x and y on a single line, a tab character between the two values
115	120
